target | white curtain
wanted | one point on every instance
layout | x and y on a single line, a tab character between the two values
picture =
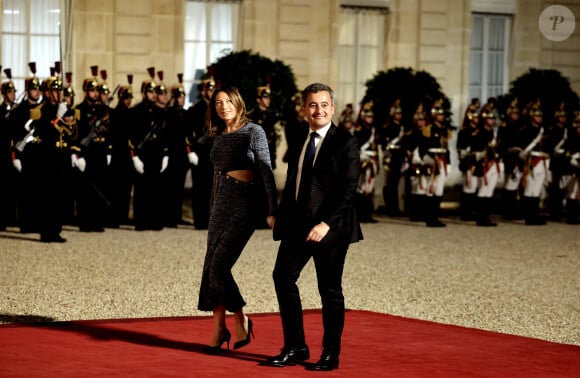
30	32
488	56
210	32
360	48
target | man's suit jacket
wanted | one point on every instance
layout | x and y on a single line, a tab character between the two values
335	176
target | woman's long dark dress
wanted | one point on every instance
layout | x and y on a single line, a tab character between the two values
233	215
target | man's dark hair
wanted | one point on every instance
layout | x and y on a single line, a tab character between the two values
315	88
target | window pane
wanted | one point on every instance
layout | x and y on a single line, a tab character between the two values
44	51
347	29
221	22
346	57
368	63
371	27
14	54
477	33
217	50
14	16
496	33
44	16
195	21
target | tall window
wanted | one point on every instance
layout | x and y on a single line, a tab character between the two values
210	30
30	33
360	51
489	47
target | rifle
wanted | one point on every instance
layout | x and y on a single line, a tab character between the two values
27	138
112	96
88	139
9	108
150	134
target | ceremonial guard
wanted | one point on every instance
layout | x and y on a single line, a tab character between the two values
414	147
149	150
572	152
467	162
559	169
199	145
178	154
93	156
530	144
435	162
295	124
45	156
488	169
70	195
21	119
346	120
265	117
395	161
121	168
8	188
513	165
365	134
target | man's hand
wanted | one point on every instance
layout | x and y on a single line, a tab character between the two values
318	232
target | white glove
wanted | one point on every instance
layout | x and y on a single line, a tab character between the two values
523	155
62	109
78	162
164	163
575	160
479	155
193	158
108	159
138	164
17	164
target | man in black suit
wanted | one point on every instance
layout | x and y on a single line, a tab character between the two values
319	222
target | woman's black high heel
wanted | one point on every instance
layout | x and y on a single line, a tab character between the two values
246	341
213	349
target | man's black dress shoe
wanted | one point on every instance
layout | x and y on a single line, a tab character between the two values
290	357
327	362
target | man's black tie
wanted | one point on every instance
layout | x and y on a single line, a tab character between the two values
306	175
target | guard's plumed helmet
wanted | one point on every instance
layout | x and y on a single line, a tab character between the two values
32	82
91	83
419	113
561	110
126	91
149	85
367	110
208	84
513	107
534	109
264	91
160	88
103	87
396	107
177	90
8	86
437	107
68	90
53	81
473	109
488	110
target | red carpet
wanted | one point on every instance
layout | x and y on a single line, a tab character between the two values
374	345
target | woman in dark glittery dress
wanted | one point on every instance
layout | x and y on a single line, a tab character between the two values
240	153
